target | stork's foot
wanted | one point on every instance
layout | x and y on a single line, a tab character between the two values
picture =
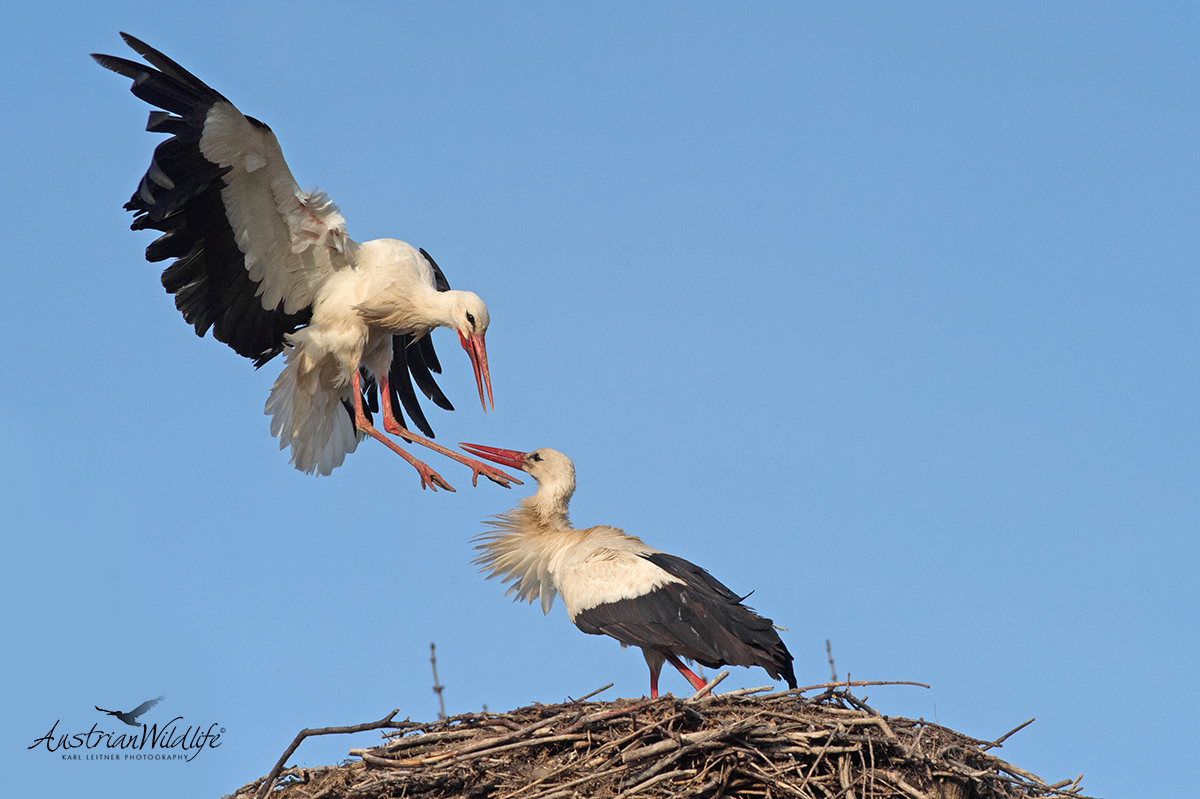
477	467
430	478
495	475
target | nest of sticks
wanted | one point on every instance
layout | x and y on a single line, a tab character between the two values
739	744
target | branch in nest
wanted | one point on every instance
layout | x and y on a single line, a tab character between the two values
386	721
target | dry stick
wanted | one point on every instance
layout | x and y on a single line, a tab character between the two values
898	781
749	691
661	747
712	782
769	779
593	693
269	782
608	714
843	684
1027	784
1006	735
560	788
707	689
572	765
697	790
871	770
820	756
472	748
844	776
688	772
876	717
702	740
829	652
462	756
638	733
423	739
1011	769
437	689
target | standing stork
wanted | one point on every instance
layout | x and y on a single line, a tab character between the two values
613	584
268	267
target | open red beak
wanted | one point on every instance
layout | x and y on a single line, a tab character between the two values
505	457
478	351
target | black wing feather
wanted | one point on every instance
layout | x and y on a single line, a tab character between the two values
439	277
699	619
401	385
180	196
419	370
430	357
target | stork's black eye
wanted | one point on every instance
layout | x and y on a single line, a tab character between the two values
471	319
535	457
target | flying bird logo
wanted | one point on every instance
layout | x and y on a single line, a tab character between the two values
130	717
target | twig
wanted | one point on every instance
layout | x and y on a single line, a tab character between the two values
707	689
593	693
1011	769
829	652
490	743
269	782
437	689
817	761
999	741
898	781
583	721
468	753
843	684
559	788
688	772
749	691
705	739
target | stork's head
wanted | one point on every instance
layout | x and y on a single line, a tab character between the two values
471	320
554	472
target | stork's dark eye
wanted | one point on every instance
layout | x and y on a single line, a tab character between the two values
471	319
535	457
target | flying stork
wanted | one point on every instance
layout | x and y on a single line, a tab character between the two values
613	584
269	267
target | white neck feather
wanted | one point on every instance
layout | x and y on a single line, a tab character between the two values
548	505
428	309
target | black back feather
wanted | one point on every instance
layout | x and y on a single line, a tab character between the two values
700	619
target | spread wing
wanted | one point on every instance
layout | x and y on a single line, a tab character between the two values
252	249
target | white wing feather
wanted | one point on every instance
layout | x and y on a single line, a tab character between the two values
292	240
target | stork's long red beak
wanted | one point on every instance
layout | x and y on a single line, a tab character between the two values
475	348
505	457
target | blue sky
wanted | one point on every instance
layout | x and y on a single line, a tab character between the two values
888	312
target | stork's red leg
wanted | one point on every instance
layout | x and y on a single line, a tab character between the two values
395	428
653	684
429	478
696	682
